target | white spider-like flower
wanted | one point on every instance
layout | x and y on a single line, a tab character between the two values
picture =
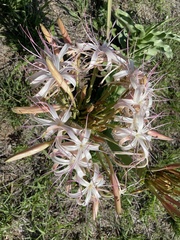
141	100
81	142
135	137
90	191
67	162
73	151
56	123
44	77
100	54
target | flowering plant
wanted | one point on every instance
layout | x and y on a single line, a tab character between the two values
97	109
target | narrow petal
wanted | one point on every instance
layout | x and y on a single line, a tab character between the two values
66	116
93	59
45	89
120	74
88	197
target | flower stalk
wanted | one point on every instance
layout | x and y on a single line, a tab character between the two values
109	18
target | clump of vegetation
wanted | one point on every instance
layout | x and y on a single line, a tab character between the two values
95	106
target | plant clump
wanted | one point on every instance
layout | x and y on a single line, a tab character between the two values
96	109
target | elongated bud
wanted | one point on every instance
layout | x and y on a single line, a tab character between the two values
57	76
117	193
34	109
167	167
95	208
46	33
159	136
63	31
30	151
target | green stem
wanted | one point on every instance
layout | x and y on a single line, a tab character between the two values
107	92
94	75
101	156
109	18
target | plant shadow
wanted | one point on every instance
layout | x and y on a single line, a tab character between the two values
17	16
